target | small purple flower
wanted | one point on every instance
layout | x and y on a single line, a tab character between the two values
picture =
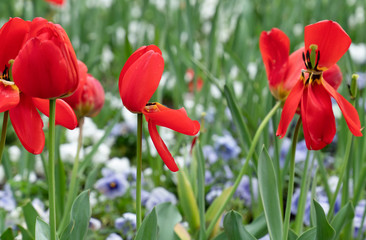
112	186
361	81
114	236
246	189
357	220
95	224
208	177
7	200
213	193
159	195
126	224
144	195
226	147
210	154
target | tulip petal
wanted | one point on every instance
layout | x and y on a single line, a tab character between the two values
28	125
318	118
332	41
290	107
176	120
333	76
275	48
9	96
294	67
349	112
12	36
139	81
160	146
65	116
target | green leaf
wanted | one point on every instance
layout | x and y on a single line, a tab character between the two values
188	201
149	227
292	235
343	217
234	228
30	215
167	216
258	228
271	202
2	220
7	235
221	236
323	229
308	235
79	219
25	233
42	230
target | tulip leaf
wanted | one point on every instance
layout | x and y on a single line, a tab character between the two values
149	227
270	199
167	216
324	230
292	235
343	217
42	230
30	215
25	233
308	235
7	235
79	219
2	220
187	200
234	228
258	228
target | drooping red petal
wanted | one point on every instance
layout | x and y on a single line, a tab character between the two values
333	42
289	109
161	148
28	125
294	67
317	117
9	96
56	2
12	36
65	116
349	112
139	80
333	76
275	48
176	120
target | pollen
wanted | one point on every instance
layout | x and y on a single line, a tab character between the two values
151	107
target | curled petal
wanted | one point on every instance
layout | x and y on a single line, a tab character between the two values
349	112
332	41
28	125
9	96
65	116
275	48
294	67
161	148
317	117
176	120
139	79
290	107
333	76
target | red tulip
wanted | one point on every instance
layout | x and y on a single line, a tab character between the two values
88	99
22	108
325	44
138	81
57	2
46	66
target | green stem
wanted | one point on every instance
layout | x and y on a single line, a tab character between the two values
51	170
139	170
290	190
244	168
73	182
3	134
341	175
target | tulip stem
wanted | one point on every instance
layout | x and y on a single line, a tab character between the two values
3	134
138	171
51	169
244	168
73	181
290	189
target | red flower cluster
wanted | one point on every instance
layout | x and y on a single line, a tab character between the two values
44	67
139	78
310	94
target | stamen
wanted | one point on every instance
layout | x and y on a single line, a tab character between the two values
151	107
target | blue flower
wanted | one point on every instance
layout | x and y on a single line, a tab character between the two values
357	220
112	186
246	189
159	195
227	147
114	236
213	193
95	224
126	224
208	177
210	154
7	200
